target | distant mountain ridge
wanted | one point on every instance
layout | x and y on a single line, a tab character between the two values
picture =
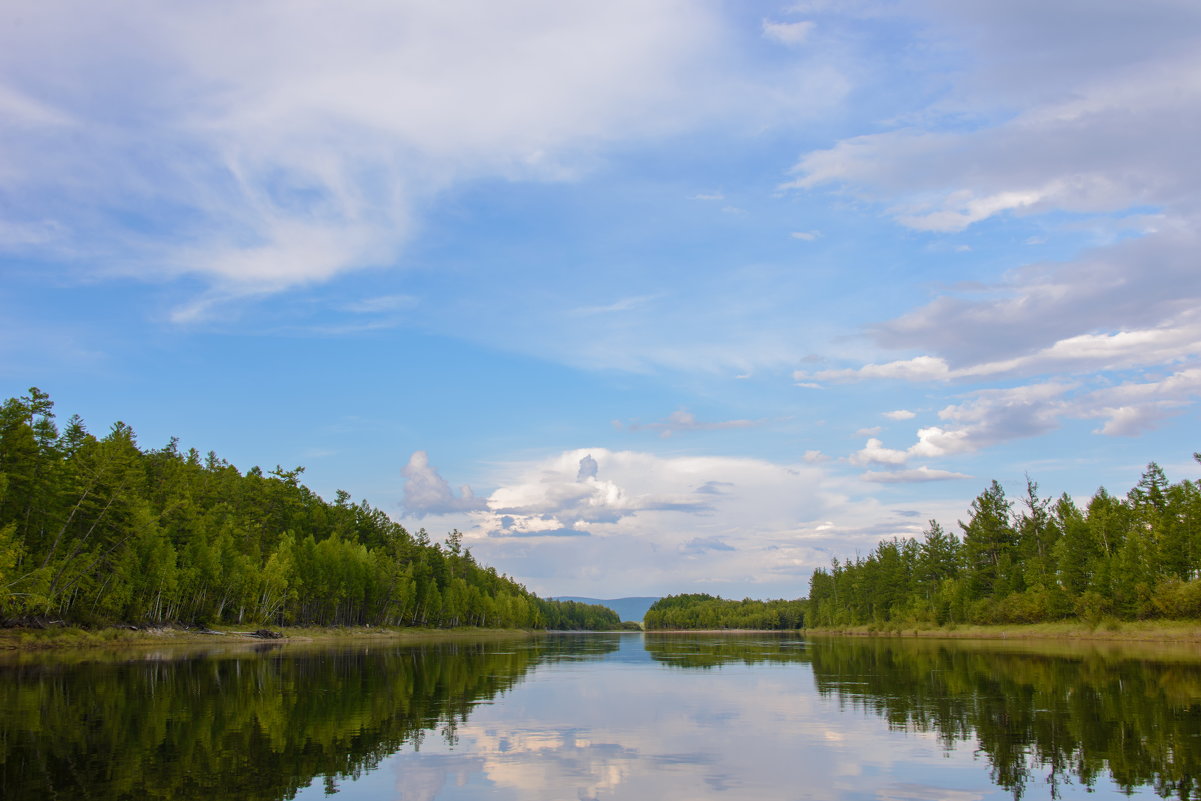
626	608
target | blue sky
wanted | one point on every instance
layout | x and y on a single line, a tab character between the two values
645	296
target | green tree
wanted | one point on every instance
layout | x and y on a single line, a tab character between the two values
989	544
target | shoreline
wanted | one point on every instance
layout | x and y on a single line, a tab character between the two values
1113	631
19	639
1185	631
723	631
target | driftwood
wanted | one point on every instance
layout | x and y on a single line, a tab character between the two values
267	634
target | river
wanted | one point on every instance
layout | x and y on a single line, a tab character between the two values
605	716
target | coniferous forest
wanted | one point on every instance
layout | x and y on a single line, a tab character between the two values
703	611
1034	560
97	530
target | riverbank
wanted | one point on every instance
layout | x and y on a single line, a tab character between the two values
723	631
30	639
1117	630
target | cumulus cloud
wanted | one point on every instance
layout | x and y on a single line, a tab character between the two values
560	499
588	468
900	414
427	493
746	526
874	452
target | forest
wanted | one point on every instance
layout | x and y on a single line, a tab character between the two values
1035	560
701	611
97	530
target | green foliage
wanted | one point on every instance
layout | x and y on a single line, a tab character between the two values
96	531
576	616
1133	558
701	611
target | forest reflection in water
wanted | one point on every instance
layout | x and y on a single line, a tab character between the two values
606	716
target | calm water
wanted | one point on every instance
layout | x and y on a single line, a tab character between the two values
605	717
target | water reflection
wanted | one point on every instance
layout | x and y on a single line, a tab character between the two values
241	723
1036	718
607	716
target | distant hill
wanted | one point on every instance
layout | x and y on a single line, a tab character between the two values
626	608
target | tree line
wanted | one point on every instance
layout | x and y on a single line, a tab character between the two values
702	611
97	530
1040	559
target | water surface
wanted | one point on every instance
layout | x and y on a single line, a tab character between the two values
606	717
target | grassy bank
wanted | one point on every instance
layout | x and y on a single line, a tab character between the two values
1143	630
29	639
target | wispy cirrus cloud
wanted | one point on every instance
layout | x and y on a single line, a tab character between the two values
685	421
269	145
913	476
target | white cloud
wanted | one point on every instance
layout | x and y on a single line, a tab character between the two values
1133	407
1084	151
283	143
681	420
919	368
806	236
874	452
19	109
788	33
646	523
900	414
427	493
559	499
868	432
993	416
622	305
1037	120
381	303
1172	342
917	475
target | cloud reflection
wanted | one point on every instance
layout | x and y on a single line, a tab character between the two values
653	731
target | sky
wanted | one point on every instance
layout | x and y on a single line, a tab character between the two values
644	296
